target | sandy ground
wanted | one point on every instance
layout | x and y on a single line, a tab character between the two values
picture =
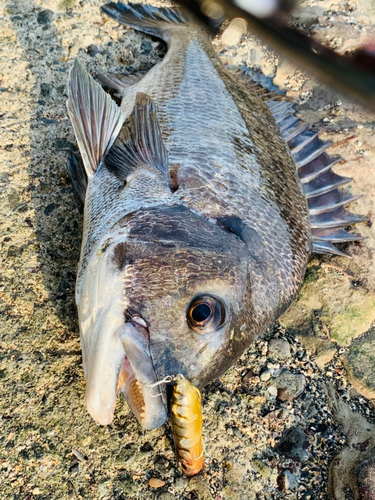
278	418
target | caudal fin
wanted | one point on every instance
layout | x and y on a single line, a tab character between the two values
152	20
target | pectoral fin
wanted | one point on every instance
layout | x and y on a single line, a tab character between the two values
140	142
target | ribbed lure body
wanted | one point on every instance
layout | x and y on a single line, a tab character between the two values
187	426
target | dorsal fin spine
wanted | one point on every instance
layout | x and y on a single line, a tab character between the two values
314	166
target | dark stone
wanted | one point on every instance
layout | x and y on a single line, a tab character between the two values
92	50
45	89
13	251
45	16
48	121
293	444
146	47
146	448
49	208
248	377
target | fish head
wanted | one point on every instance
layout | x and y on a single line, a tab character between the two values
168	293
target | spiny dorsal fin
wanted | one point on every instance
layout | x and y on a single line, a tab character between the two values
139	143
95	117
326	203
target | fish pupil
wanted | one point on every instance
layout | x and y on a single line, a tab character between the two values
201	312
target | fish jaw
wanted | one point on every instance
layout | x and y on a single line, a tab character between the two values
137	375
116	354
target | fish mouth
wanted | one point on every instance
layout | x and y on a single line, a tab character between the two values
127	368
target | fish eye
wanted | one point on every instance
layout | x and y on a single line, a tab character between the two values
205	314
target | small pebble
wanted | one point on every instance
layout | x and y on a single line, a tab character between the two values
92	50
289	385
45	16
265	375
272	391
248	376
291	481
155	482
79	456
146	47
279	349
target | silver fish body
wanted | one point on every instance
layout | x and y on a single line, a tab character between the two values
197	231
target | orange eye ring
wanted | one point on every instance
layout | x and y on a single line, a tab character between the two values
205	314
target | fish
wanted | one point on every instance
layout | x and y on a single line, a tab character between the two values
204	198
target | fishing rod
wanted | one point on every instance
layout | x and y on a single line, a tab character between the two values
269	19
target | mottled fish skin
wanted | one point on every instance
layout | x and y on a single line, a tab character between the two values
229	220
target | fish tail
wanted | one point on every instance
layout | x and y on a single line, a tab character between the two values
151	20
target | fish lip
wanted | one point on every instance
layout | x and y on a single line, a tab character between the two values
127	351
140	373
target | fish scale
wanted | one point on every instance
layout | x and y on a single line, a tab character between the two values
197	190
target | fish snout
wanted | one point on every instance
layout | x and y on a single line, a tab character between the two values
121	363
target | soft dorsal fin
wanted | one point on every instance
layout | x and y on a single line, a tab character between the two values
139	143
96	118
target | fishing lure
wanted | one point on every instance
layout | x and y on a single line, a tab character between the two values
187	426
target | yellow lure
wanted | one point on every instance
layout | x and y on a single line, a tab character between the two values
187	425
